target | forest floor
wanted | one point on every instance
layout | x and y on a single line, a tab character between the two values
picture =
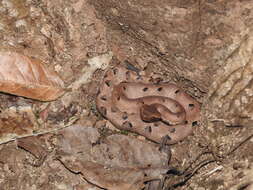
205	47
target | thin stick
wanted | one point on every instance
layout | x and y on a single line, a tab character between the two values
240	144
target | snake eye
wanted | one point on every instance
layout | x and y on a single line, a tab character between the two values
148	129
160	89
145	89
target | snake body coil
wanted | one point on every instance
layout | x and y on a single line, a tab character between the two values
155	111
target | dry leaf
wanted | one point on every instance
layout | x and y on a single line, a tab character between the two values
33	145
116	162
17	122
24	76
19	170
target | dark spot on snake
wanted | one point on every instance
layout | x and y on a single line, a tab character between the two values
106	75
138	77
177	91
103	111
124	88
148	129
186	122
160	89
118	98
115	71
145	175
191	105
156	124
108	83
124	116
124	82
127	75
145	89
173	130
103	98
194	123
127	124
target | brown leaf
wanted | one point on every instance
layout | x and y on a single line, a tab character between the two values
33	145
17	122
116	162
24	76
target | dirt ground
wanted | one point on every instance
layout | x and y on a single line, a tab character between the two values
204	46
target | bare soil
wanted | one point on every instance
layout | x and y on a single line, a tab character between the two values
204	46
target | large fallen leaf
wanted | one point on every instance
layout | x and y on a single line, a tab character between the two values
24	76
23	171
115	162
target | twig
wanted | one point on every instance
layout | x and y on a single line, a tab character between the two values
41	133
189	176
219	168
240	144
198	157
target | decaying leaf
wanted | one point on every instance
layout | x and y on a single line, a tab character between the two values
17	122
24	76
20	170
115	162
33	145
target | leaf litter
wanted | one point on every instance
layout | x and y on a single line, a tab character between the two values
112	162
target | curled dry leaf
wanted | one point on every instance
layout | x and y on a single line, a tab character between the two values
24	76
115	162
33	145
